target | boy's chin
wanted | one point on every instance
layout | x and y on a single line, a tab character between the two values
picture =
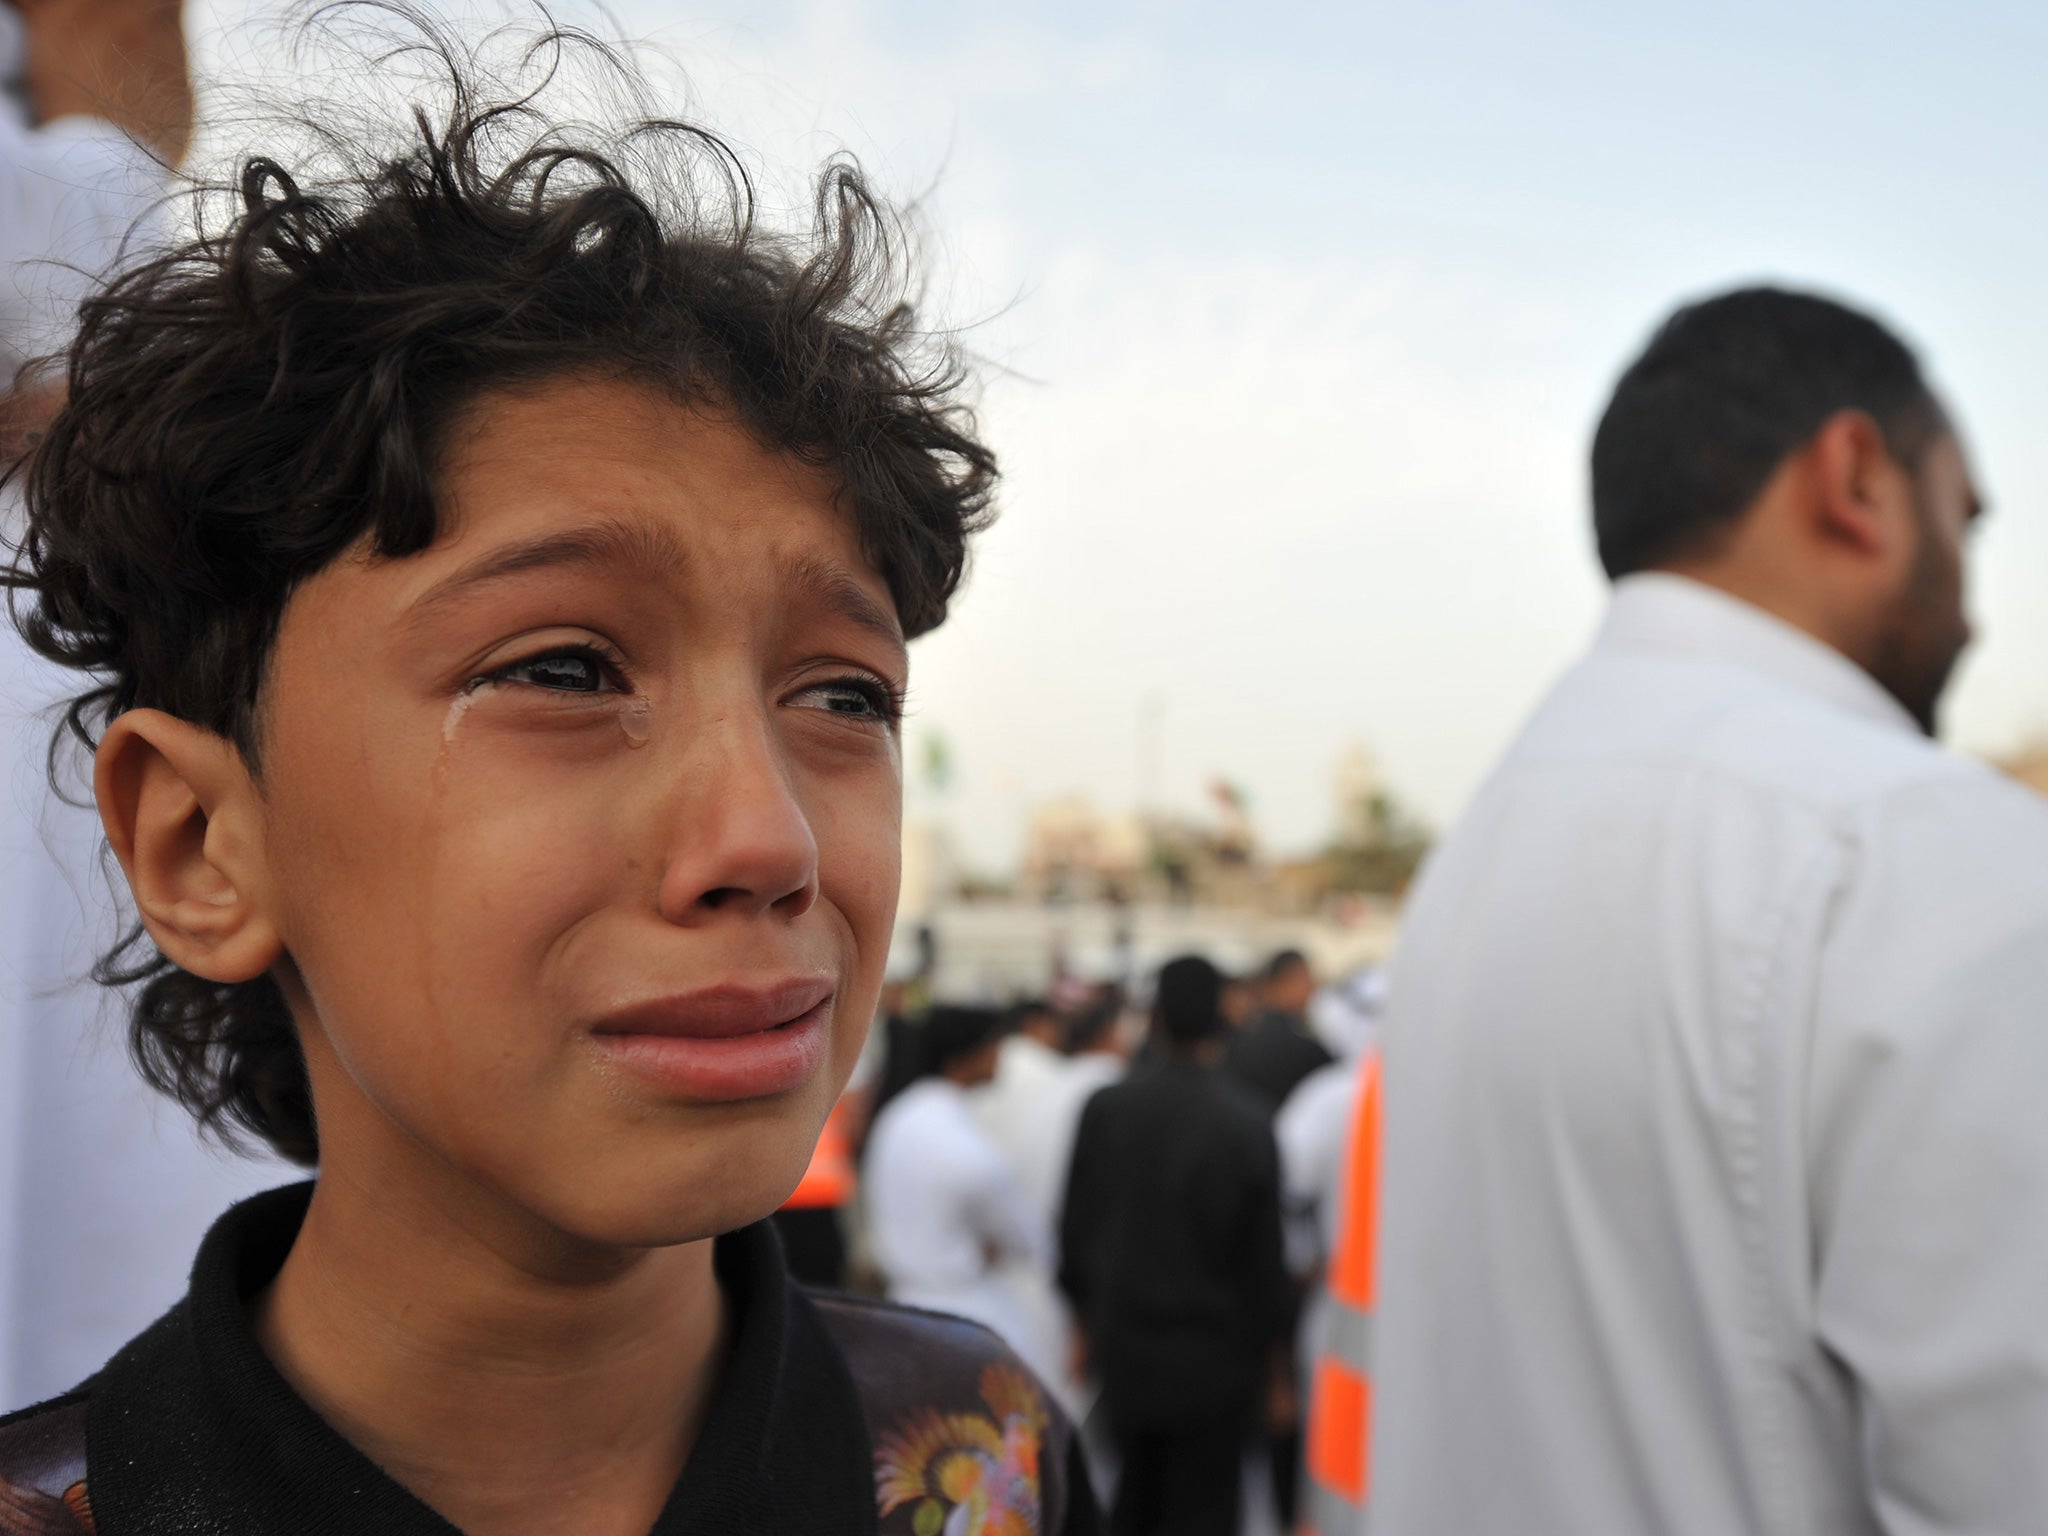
662	1203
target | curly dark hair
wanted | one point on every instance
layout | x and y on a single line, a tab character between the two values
246	406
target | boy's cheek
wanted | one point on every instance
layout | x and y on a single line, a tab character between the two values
859	827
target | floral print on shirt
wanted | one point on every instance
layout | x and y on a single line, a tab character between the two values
30	1512
966	1474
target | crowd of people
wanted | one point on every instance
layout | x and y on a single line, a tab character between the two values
1133	1188
482	581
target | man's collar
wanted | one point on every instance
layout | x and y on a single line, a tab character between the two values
1657	613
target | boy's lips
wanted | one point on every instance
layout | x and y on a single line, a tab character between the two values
723	1043
721	1012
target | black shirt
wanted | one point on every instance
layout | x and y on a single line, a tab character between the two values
1170	1246
831	1414
1271	1055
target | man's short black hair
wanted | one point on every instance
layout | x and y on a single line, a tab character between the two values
1729	388
951	1033
1092	1025
1187	1005
1285	962
280	389
1024	1010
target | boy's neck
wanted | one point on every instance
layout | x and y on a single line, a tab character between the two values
515	1386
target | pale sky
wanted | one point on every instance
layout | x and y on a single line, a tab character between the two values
1307	318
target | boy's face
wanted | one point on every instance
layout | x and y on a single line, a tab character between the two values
581	826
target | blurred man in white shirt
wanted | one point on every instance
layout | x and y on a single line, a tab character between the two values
946	1217
104	1188
1030	1111
1716	1170
1021	1108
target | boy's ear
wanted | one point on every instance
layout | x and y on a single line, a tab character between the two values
184	819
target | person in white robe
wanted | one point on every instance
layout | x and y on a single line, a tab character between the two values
1715	1179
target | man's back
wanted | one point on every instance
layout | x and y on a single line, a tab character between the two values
1716	1168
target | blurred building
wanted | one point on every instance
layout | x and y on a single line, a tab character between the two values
1105	897
1073	852
997	949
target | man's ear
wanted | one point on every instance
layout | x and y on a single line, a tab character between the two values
184	818
1865	500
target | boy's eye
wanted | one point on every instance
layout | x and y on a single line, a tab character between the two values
562	672
859	697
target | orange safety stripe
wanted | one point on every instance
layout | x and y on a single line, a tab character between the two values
828	1181
1338	1453
1354	1270
1337	1429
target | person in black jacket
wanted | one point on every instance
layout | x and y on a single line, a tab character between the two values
1171	1254
489	556
1272	1054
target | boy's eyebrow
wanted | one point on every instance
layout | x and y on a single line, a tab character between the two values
612	541
832	587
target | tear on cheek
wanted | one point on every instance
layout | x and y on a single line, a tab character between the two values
636	719
456	710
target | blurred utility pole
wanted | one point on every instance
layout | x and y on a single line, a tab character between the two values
1151	751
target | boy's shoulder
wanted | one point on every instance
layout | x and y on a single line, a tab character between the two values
955	1417
42	1470
896	1349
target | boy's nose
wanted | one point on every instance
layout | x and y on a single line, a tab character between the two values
739	841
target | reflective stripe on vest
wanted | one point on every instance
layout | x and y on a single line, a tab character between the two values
828	1181
1338	1449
